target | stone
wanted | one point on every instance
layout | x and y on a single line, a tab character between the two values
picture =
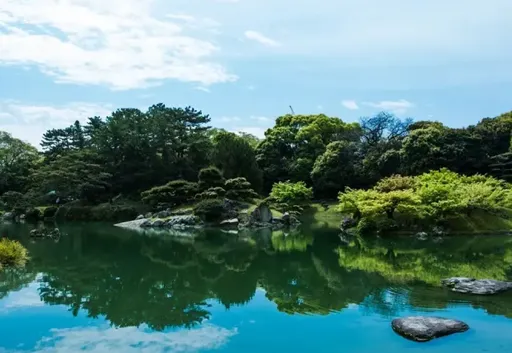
261	214
422	236
476	286
8	216
139	217
423	328
183	221
230	222
148	215
163	214
286	218
157	223
347	223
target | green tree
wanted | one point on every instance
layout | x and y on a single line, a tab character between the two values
291	193
17	158
239	189
78	174
236	157
292	146
336	169
210	177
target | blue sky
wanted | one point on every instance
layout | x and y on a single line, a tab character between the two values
245	61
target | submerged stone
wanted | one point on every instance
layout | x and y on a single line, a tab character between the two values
476	286
423	328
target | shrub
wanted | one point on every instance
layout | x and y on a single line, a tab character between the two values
12	199
210	210
239	189
49	212
291	193
210	177
175	193
12	253
211	193
33	215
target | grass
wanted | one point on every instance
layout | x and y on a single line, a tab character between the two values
319	216
12	253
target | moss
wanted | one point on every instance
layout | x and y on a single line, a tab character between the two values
12	253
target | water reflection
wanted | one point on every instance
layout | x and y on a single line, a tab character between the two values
159	282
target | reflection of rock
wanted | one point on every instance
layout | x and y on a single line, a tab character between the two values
473	286
261	214
422	329
44	233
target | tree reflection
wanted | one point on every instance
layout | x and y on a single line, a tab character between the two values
132	279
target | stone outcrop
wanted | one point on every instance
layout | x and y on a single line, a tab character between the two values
476	286
423	328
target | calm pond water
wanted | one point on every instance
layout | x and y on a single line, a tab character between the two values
103	289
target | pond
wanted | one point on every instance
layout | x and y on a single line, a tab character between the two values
103	289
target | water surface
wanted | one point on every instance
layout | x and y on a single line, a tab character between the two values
103	289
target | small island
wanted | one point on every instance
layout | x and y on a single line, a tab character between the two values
167	168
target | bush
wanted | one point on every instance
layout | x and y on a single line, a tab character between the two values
239	189
32	215
11	199
211	193
210	177
210	210
174	193
12	253
291	193
49	212
104	212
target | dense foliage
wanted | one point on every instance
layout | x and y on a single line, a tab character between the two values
432	197
169	155
12	253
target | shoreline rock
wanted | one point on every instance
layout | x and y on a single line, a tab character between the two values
475	286
424	328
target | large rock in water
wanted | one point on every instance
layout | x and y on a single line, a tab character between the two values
423	328
261	214
476	286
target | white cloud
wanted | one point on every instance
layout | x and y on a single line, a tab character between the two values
30	121
261	119
117	43
229	119
132	339
350	104
262	39
202	88
25	297
398	107
254	130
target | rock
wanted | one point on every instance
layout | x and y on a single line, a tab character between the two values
139	217
8	216
22	217
474	286
163	214
230	222
422	328
183	221
157	223
261	214
182	212
286	218
422	236
44	233
148	215
348	223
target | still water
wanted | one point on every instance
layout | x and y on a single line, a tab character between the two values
102	289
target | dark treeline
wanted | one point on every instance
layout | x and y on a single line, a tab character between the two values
131	151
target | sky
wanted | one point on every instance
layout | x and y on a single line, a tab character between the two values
244	62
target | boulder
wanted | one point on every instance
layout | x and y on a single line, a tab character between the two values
422	235
261	214
139	217
163	214
157	223
8	216
148	215
183	221
230	222
423	328
476	286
